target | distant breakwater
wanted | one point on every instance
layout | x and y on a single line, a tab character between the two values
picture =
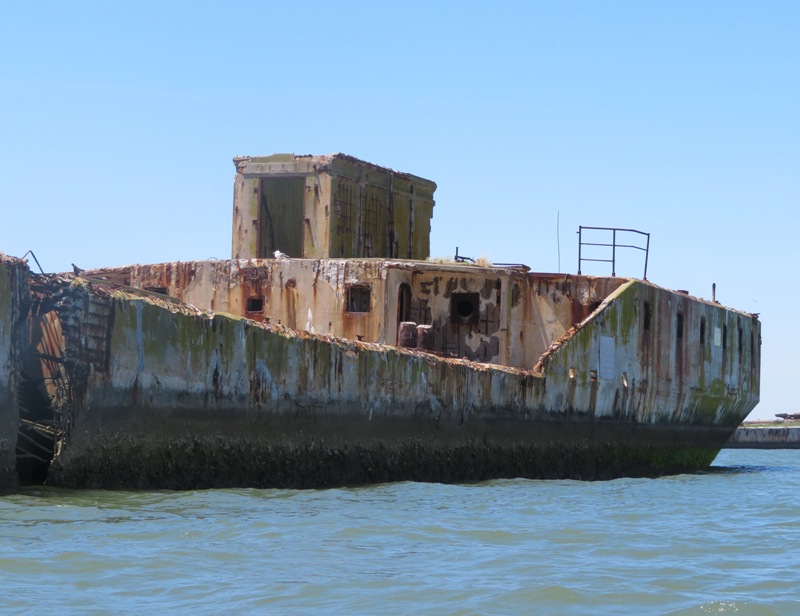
765	437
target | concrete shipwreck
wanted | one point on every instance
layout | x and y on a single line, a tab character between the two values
329	351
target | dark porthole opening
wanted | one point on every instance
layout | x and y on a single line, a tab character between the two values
464	308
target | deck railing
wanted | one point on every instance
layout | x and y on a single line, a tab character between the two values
613	245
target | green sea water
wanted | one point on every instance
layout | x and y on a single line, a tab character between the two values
722	542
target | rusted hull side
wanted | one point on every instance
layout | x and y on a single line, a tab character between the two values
171	397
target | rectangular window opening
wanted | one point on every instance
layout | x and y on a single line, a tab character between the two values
647	316
255	304
679	326
724	337
359	298
702	330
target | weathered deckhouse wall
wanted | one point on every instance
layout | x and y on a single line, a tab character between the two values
13	297
491	315
329	207
298	293
494	315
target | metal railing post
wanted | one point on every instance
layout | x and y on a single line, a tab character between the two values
614	252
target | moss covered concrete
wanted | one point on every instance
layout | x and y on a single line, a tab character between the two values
189	399
654	374
208	460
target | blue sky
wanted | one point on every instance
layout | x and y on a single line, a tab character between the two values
119	122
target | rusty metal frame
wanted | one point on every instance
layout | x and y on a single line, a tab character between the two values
462	259
613	245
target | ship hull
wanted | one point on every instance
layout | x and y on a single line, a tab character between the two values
298	453
137	392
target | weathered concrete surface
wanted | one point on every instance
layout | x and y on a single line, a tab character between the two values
779	437
332	206
173	397
656	356
678	347
515	317
13	297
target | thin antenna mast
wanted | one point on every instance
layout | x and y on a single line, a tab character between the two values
558	238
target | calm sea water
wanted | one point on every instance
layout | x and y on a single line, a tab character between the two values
722	542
